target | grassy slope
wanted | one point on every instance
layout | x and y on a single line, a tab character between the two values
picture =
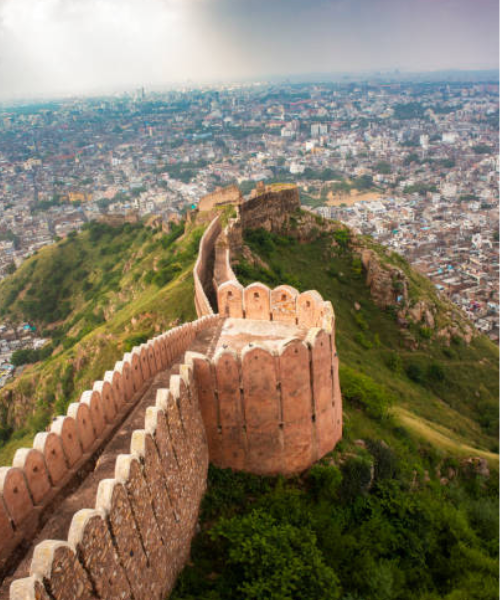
456	406
119	263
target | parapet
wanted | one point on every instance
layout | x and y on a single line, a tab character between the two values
39	474
271	411
283	303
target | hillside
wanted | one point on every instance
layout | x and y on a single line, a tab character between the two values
406	506
439	385
96	295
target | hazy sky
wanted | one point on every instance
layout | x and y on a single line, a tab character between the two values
59	46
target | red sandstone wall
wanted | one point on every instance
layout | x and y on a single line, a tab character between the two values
283	303
201	273
40	473
136	540
268	412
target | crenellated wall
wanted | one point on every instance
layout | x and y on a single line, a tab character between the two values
268	411
268	406
39	475
203	269
136	539
283	303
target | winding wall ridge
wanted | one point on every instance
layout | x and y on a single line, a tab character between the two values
201	273
262	410
133	543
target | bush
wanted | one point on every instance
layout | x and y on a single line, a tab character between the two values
415	373
273	560
364	392
362	340
435	372
325	481
356	477
394	362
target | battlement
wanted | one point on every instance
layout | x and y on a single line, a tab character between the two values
262	395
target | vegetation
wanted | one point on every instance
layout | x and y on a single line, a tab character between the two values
95	295
361	528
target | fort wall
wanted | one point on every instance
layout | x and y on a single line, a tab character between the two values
263	410
270	209
39	475
230	194
267	408
133	543
203	269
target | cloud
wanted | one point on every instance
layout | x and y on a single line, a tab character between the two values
58	46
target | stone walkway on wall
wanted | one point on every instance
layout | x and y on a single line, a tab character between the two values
84	492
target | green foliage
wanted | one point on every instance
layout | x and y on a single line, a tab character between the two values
342	237
325	481
362	340
394	362
364	393
271	559
30	355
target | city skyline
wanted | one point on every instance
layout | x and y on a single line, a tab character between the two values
58	47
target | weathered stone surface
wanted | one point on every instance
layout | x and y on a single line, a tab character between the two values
112	499
32	463
283	303
90	536
257	300
56	564
93	401
15	493
129	471
80	412
230	299
49	444
65	428
29	588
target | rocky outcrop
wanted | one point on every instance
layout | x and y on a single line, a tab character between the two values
388	285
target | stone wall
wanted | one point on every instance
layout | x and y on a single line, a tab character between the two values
283	303
203	269
230	194
40	474
136	539
270	412
270	210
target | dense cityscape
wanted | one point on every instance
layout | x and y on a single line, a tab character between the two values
414	165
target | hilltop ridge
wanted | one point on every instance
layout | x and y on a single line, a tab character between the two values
257	400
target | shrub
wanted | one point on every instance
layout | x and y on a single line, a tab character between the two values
394	362
360	321
425	333
356	477
415	373
275	560
363	341
435	372
364	392
325	481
